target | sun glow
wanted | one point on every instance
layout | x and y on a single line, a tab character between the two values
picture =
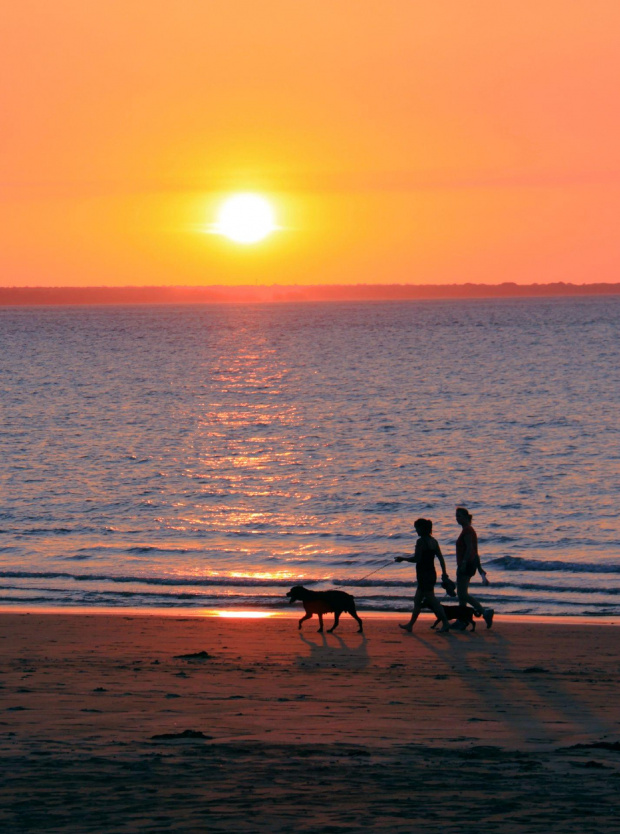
245	218
246	615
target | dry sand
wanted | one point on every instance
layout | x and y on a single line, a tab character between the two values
515	729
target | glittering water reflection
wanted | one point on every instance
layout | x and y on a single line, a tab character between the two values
149	452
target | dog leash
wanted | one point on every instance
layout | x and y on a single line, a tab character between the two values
375	571
446	583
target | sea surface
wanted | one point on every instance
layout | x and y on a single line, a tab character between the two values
213	456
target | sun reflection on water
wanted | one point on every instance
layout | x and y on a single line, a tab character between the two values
275	576
240	475
247	615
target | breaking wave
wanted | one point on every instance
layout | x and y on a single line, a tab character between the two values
515	563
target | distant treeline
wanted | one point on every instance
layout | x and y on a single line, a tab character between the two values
277	293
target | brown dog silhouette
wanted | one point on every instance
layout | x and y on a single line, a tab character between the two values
322	602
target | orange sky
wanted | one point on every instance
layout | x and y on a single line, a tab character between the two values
401	140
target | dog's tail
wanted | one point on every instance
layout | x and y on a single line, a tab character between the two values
351	609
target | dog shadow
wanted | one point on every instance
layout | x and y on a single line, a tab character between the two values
333	651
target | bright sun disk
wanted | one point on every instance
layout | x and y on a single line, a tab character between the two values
245	218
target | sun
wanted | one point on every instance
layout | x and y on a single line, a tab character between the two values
245	218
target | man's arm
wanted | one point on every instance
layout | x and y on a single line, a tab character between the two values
471	553
481	571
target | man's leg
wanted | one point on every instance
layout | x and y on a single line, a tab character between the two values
465	598
462	590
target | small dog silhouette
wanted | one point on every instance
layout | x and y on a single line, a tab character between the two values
322	602
458	612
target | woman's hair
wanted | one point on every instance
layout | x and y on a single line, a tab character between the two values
424	526
464	511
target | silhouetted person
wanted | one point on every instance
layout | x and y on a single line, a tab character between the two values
426	549
467	563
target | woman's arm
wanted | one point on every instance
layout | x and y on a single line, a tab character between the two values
413	558
442	561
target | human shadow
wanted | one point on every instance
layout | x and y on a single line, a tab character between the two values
503	688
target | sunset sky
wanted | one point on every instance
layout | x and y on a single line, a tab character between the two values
397	141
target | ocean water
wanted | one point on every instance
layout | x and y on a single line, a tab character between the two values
213	456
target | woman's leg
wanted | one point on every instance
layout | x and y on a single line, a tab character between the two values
436	607
462	590
418	599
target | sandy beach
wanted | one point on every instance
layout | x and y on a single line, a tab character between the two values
131	722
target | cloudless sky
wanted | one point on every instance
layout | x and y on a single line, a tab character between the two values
401	141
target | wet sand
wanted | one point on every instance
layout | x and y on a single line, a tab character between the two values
131	723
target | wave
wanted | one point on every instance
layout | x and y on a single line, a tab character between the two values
368	590
107	549
262	593
148	548
77	557
516	563
497	538
208	581
558	589
38	531
249	581
147	600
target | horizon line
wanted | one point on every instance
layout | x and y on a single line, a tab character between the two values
285	293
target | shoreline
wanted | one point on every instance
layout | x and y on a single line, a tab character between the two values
293	613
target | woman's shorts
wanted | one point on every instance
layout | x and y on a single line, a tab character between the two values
427	584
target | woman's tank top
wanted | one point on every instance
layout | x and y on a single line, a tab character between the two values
425	551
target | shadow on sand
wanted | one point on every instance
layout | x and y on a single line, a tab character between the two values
533	703
327	650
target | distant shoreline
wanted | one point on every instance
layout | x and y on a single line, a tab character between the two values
251	613
215	294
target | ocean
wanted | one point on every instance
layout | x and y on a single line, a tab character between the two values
213	456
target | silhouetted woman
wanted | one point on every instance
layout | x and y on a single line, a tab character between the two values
467	563
426	549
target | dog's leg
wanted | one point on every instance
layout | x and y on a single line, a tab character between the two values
320	623
336	619
305	617
353	612
473	625
435	623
